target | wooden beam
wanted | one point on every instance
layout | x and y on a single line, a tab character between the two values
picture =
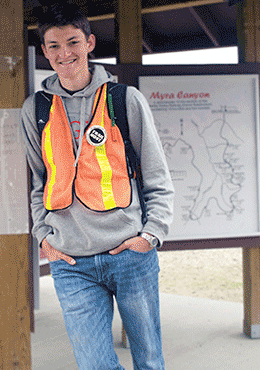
187	4
251	277
257	30
147	47
14	265
128	26
15	345
249	43
91	19
248	31
204	27
156	9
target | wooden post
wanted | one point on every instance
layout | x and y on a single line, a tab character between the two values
128	24
251	264
248	31
14	270
128	28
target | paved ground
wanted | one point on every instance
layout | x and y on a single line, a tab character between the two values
214	274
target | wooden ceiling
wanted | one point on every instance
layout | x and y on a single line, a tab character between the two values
167	25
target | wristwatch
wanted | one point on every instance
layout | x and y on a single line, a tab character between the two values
152	240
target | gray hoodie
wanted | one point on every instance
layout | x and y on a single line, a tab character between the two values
77	230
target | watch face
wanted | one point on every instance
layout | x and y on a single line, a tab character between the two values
154	242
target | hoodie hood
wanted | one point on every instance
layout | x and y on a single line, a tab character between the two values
100	76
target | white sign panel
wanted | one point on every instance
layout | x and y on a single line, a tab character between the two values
208	126
13	175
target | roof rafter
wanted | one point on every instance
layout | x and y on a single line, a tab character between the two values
175	6
156	9
204	27
147	47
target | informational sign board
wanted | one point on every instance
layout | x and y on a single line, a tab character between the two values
13	175
209	128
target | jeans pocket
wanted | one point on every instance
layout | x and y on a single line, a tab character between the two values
55	264
141	253
59	260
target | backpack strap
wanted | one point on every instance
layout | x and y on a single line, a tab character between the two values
116	97
43	102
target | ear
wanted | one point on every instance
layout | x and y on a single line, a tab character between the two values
91	43
44	51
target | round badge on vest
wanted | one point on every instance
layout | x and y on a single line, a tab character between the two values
96	135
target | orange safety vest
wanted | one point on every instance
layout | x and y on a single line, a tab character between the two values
101	180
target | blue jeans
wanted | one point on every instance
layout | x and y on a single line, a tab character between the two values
86	291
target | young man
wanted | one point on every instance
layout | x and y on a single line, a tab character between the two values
85	205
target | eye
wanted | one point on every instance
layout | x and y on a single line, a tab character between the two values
72	43
53	46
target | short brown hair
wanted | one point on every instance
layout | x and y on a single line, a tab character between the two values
63	14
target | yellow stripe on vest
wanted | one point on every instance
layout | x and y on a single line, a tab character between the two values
106	183
49	155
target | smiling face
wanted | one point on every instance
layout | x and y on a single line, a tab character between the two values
67	50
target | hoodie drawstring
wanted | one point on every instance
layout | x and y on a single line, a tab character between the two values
82	128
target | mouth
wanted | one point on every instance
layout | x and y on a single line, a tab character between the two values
65	63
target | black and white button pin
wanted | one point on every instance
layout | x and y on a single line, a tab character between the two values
96	135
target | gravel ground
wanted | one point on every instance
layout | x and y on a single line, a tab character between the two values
211	273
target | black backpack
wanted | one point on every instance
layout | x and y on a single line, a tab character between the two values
116	98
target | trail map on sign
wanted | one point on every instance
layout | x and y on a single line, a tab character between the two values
208	127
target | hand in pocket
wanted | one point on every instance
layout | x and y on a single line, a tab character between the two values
54	255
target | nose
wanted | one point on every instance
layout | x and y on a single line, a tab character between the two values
64	52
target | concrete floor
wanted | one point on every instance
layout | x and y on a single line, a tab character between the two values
198	334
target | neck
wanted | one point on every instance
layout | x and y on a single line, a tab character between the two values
78	83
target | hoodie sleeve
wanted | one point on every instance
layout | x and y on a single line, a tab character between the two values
34	156
158	189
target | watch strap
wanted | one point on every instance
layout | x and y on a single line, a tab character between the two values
152	240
